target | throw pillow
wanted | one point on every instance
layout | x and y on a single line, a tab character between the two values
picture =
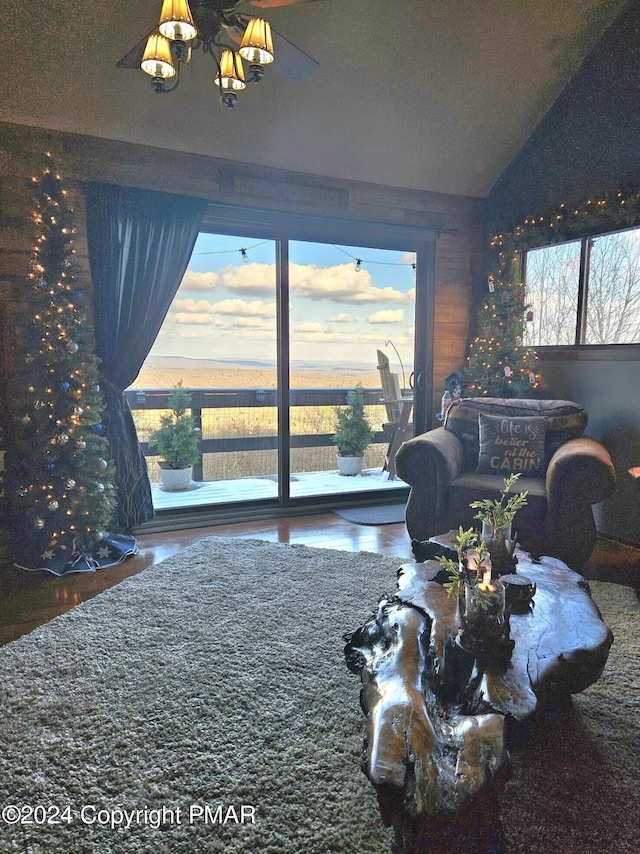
512	445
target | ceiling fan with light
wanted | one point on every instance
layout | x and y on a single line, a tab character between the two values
188	25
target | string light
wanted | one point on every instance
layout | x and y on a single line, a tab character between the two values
566	221
231	251
358	261
537	231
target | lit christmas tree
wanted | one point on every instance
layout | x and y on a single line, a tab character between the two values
59	491
499	364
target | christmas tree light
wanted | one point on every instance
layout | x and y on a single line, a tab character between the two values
498	364
60	492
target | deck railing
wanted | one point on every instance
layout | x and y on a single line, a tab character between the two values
245	419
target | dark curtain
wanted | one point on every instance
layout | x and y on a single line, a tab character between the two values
139	245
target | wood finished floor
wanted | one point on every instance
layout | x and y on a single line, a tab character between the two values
31	599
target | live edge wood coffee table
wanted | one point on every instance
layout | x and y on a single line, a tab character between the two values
436	748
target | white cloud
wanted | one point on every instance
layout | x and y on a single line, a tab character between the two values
249	323
253	279
242	321
202	312
309	327
340	283
387	316
192	305
186	333
242	308
343	318
188	317
197	281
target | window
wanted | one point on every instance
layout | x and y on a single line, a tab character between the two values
551	293
584	291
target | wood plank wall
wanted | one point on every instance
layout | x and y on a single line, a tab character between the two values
459	257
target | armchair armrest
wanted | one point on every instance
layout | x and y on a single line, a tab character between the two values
428	463
579	474
438	449
581	469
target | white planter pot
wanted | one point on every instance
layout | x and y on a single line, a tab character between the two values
174	480
349	466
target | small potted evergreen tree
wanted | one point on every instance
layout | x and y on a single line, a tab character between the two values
176	442
352	434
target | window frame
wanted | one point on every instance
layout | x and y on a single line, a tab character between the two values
579	350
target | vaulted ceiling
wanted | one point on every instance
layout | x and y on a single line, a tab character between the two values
429	94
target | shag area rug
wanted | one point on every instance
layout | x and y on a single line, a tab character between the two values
204	706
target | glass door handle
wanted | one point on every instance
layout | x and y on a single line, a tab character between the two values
416	381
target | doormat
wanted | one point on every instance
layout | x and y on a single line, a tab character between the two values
380	514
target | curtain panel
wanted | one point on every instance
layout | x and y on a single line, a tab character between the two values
140	243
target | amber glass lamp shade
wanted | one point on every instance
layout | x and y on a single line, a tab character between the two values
176	22
156	59
231	74
257	45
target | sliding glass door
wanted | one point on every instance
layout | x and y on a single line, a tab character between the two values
269	331
346	304
219	340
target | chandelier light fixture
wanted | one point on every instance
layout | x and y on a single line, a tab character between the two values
170	46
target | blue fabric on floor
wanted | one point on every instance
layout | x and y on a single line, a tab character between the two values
380	514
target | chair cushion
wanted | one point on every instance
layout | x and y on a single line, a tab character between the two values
470	486
512	445
565	420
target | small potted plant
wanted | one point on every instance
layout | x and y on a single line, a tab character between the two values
459	572
176	441
480	597
497	517
352	434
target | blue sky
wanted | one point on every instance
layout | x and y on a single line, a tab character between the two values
225	308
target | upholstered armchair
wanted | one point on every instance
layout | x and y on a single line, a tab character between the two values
481	442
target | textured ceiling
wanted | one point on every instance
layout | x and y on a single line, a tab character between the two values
430	94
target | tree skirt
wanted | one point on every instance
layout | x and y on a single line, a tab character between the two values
36	556
149	716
